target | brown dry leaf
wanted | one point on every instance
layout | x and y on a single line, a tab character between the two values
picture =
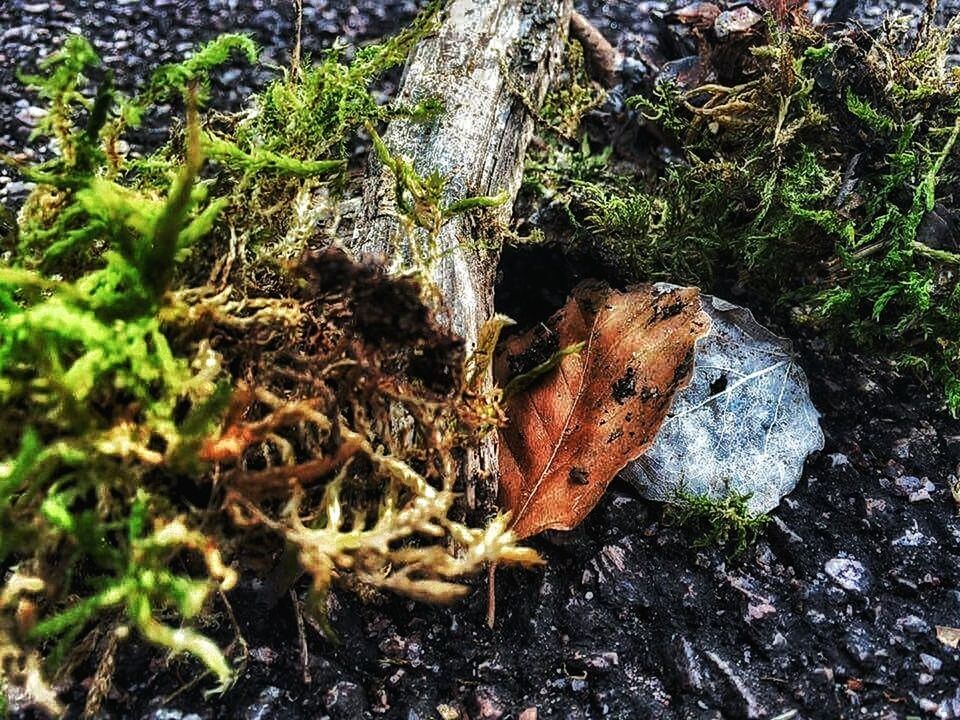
571	432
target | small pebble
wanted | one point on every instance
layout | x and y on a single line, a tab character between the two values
933	664
838	459
913	625
847	573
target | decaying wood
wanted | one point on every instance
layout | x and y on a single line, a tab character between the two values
488	63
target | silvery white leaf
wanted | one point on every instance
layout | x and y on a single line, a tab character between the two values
744	424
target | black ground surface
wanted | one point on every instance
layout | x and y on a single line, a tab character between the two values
831	614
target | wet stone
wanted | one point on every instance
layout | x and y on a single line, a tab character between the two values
909	486
171	714
912	538
266	705
264	655
486	704
913	625
597	663
949	707
686	669
838	460
901	448
931	663
740	700
861	646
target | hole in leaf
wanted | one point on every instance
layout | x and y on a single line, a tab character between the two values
718	386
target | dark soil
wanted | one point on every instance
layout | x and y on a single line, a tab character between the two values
832	613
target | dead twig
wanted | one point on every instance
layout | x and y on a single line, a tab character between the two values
603	60
302	638
491	595
103	677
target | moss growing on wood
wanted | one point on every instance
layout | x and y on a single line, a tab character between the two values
175	399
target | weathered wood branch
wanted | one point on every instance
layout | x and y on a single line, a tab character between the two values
489	62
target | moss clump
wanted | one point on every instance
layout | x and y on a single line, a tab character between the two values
723	522
318	105
562	163
816	171
572	94
98	406
175	403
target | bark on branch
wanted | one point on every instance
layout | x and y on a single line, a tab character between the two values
488	63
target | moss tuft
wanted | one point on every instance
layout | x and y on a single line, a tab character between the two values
817	175
723	522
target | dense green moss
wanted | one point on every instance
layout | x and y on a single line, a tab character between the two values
175	387
725	522
816	176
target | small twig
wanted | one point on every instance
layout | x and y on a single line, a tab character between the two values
771	678
103	677
295	55
602	58
928	19
491	595
302	638
220	273
324	633
185	687
239	639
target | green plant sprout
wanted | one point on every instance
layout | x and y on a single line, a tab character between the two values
723	521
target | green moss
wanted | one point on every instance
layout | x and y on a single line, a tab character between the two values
724	522
805	179
97	396
572	94
60	88
317	106
867	114
176	388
